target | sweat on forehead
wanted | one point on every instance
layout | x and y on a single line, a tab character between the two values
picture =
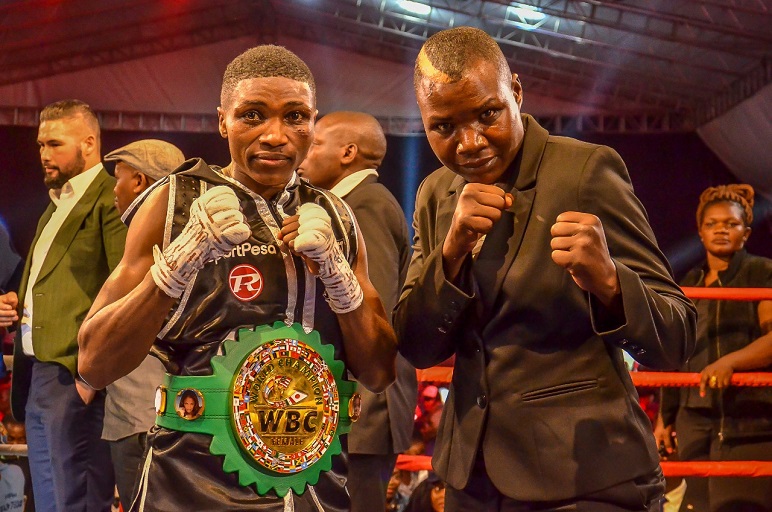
266	61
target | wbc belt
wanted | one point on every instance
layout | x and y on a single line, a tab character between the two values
275	406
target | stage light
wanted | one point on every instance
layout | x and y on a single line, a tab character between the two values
526	12
414	7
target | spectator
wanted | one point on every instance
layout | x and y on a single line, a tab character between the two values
129	406
429	496
718	421
11	264
16	435
15	431
79	241
431	414
403	482
11	488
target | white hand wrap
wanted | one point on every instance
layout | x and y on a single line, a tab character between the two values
216	224
316	240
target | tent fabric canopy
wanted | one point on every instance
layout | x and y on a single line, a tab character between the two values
188	82
741	138
575	58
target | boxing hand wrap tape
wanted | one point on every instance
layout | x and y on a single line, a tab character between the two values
216	225
316	240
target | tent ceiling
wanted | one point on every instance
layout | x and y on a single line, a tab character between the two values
687	58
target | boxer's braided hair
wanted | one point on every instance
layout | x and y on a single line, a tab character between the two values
740	194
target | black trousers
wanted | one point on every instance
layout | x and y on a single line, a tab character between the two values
368	476
128	456
480	495
697	431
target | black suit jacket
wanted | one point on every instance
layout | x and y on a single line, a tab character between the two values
539	380
386	423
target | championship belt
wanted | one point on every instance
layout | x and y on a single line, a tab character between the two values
275	406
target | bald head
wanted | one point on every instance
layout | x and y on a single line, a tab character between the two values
344	143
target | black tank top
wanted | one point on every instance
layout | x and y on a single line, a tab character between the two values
258	282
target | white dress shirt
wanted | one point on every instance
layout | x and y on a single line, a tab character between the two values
350	182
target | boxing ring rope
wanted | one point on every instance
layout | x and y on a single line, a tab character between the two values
444	374
669	468
644	379
718	293
19	450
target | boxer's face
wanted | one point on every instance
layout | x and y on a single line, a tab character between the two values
269	124
473	125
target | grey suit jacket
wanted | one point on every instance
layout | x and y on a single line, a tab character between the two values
87	247
386	423
539	380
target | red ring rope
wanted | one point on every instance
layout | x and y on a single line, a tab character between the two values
736	468
717	293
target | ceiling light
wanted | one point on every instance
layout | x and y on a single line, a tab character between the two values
415	7
526	12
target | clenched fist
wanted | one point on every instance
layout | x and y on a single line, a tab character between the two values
310	234
479	207
215	226
579	245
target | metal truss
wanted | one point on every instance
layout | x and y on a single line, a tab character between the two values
684	58
568	125
627	54
206	123
123	121
139	29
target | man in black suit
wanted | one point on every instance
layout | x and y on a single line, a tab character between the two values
348	147
534	263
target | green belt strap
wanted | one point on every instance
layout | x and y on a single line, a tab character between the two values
216	415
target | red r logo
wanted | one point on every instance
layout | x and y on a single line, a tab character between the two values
246	282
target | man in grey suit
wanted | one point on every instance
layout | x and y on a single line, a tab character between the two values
534	263
348	147
79	241
130	406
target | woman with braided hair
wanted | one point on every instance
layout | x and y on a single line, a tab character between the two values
718	421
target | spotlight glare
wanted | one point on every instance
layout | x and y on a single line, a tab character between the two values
415	7
526	12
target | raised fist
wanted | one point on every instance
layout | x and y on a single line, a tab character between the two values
315	235
215	226
316	241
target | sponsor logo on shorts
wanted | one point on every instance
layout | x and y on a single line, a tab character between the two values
246	282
